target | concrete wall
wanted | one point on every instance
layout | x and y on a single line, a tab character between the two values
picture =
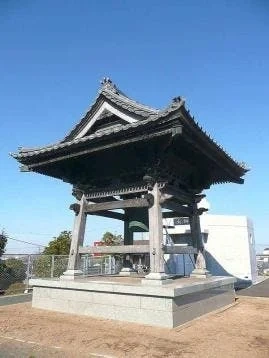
230	246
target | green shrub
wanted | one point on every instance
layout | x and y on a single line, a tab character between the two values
11	271
15	288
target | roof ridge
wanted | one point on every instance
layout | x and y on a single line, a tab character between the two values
107	86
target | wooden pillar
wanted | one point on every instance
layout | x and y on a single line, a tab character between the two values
128	235
127	268
157	270
78	232
200	262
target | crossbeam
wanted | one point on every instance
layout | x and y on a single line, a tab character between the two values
178	208
119	204
180	195
135	249
109	214
179	250
169	214
119	249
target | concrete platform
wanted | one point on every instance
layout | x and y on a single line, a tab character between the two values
260	289
127	299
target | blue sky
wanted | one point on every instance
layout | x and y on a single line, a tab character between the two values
54	54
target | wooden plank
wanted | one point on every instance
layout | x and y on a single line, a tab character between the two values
120	204
179	250
119	249
178	208
109	214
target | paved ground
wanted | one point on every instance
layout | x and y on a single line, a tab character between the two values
16	349
238	332
10	300
259	290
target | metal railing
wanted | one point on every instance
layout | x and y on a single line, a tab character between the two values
17	270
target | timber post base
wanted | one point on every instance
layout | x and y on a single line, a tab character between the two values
157	279
127	271
200	273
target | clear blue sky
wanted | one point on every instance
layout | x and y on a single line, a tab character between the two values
54	53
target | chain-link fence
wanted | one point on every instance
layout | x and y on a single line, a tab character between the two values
17	270
263	264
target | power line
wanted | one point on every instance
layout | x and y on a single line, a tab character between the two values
26	242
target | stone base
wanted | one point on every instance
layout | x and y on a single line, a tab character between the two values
200	273
71	275
126	271
157	279
126	299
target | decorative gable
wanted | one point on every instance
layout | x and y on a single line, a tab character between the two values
111	108
105	117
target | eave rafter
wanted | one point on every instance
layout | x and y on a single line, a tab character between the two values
206	140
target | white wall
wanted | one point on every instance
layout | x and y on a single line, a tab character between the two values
230	245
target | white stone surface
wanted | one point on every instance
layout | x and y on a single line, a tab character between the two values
157	306
176	288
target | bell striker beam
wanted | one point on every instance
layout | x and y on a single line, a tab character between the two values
78	233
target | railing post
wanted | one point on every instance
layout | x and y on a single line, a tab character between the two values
52	267
28	274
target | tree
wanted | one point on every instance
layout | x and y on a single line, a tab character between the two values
49	266
11	270
16	269
3	268
3	242
60	245
110	239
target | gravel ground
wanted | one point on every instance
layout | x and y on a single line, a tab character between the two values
240	331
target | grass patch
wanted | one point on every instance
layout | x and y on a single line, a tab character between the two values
15	289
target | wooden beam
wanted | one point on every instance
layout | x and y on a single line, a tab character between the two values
109	214
119	249
134	249
180	195
116	143
180	250
169	214
120	204
178	208
165	197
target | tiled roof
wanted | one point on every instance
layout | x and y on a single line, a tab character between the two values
30	152
110	92
145	115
